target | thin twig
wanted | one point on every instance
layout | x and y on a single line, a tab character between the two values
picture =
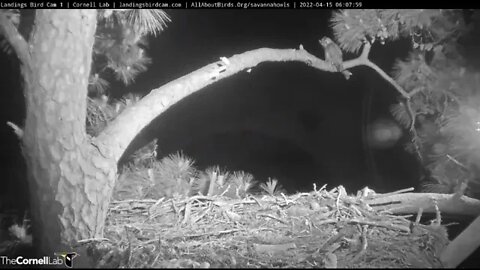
272	217
419	216
410	189
381	224
188	211
93	240
411	113
213	233
386	77
364	240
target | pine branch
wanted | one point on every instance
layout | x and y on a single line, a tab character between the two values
15	39
385	76
151	21
363	60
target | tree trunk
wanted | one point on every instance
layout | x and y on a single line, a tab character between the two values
70	182
70	175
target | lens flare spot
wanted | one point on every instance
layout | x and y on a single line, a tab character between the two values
383	133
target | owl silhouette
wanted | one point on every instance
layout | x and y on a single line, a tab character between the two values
334	56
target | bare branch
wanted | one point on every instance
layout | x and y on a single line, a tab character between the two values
363	60
365	51
19	44
387	78
407	203
412	115
415	91
116	137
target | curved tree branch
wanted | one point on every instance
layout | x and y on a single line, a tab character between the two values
16	40
387	78
363	60
117	136
366	50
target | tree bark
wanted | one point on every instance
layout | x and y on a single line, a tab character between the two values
70	183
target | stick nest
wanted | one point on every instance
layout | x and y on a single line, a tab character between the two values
318	229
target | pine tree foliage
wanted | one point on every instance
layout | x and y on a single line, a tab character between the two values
244	182
427	28
101	111
147	21
120	49
272	187
399	112
443	89
174	173
120	44
97	85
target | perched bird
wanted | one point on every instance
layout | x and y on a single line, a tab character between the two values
333	55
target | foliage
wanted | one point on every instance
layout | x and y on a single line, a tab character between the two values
215	181
243	181
101	111
211	181
172	176
121	42
176	176
272	187
443	87
427	28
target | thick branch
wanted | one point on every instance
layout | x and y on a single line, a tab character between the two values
117	136
408	203
16	40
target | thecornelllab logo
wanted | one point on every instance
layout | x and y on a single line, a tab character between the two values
67	257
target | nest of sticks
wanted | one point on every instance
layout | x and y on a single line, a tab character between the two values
322	228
